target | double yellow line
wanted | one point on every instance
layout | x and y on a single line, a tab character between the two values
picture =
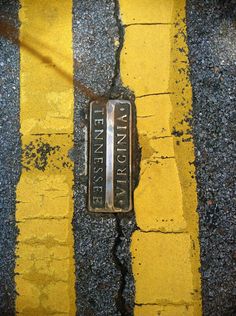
165	248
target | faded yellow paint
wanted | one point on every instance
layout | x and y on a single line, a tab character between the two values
153	113
147	11
155	310
158	203
162	268
141	76
44	266
46	54
165	249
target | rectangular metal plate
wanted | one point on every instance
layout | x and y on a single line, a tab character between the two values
110	160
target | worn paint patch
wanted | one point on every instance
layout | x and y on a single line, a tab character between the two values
47	152
146	77
166	269
163	211
165	251
158	310
147	11
153	113
44	265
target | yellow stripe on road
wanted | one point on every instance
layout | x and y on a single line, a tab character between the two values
44	266
165	248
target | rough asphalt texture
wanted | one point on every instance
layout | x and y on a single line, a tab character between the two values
104	282
104	279
212	44
9	157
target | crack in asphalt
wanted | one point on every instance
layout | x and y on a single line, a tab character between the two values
120	39
120	301
104	280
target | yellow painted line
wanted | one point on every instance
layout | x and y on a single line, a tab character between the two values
165	248
44	266
166	310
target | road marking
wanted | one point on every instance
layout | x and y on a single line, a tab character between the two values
167	310
44	266
165	248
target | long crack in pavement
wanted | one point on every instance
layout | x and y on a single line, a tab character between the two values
104	281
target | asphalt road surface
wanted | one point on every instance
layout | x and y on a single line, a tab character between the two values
211	39
102	241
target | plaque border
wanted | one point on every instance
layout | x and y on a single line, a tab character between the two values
109	207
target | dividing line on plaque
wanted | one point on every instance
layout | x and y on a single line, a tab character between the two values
110	155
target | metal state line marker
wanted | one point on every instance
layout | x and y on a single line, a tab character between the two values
110	156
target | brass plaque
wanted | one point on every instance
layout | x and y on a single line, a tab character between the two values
110	160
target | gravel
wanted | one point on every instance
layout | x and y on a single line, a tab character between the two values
9	155
104	282
212	44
